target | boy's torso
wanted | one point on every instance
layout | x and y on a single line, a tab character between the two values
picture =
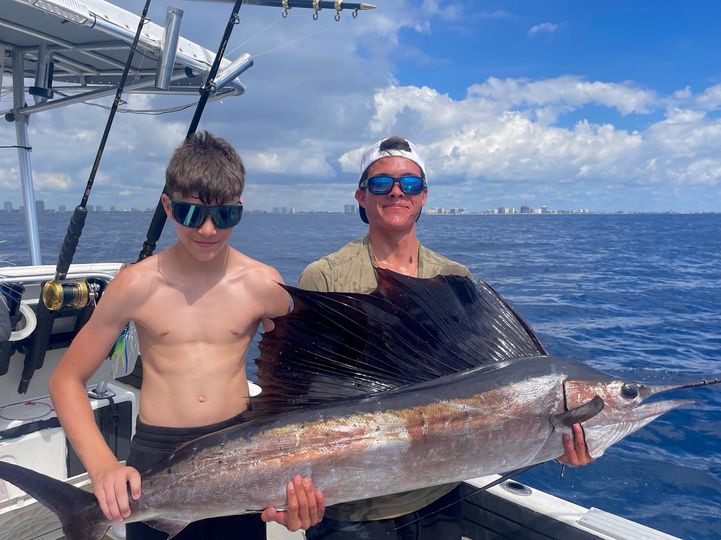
194	336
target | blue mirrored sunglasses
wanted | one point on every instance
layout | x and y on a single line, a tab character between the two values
383	184
194	215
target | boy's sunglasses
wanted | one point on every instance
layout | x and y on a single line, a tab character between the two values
383	184
194	215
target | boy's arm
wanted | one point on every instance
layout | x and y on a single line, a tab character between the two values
69	395
273	299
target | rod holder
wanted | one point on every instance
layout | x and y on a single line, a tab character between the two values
173	18
232	72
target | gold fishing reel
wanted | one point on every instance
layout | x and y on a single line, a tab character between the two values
57	295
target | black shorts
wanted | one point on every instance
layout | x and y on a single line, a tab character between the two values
153	443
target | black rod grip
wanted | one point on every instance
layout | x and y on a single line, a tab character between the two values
38	345
70	243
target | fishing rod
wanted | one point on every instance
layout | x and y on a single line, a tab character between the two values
56	295
157	223
315	5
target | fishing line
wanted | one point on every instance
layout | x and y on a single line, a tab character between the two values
251	38
461	499
289	43
152	112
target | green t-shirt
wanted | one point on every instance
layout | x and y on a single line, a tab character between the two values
350	269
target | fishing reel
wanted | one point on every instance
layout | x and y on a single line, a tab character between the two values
71	300
57	295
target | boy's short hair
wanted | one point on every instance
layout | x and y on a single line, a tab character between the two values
206	167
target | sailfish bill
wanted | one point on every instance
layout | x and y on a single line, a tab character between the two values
360	392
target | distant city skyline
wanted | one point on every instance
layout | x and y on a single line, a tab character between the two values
40	205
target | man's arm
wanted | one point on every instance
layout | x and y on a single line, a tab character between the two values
69	395
314	277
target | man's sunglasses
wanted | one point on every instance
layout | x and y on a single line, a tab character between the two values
383	184
194	215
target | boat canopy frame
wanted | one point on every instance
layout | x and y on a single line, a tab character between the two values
83	45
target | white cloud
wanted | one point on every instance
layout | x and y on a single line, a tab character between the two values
566	92
52	181
711	98
492	134
450	11
543	28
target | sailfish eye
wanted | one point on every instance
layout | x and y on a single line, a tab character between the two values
629	391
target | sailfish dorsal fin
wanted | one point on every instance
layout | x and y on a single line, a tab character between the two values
409	330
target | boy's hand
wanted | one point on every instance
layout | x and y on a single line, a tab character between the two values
576	451
111	490
305	506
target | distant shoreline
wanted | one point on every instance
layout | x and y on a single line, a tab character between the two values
426	214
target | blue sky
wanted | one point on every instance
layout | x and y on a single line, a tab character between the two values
598	105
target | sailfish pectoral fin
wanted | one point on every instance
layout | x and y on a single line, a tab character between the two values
170	526
578	414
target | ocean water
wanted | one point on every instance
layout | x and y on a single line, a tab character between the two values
633	295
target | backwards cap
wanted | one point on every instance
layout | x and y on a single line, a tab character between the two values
374	153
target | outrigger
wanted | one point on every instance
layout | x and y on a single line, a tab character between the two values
75	51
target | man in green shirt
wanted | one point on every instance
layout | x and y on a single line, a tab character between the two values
391	193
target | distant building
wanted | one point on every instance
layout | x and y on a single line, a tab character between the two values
8	206
62	208
525	210
350	209
39	206
99	208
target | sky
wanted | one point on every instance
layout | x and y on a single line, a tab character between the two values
604	106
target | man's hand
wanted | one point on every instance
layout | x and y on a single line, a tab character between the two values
111	490
305	506
576	451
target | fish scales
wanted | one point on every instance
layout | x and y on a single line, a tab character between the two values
342	451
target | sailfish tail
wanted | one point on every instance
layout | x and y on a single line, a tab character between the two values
77	510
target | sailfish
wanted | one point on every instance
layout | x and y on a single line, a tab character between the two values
363	391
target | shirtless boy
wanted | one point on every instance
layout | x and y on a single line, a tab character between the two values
196	307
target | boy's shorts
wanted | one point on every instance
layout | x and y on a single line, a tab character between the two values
153	443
